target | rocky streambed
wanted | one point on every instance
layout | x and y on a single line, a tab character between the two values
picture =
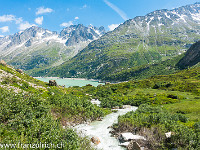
100	132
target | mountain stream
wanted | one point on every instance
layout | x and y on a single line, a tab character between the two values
101	130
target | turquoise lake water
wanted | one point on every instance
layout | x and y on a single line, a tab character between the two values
70	82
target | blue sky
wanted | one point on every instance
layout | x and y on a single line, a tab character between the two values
17	15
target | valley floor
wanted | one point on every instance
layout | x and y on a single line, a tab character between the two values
167	103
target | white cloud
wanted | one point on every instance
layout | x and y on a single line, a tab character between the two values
1	36
76	18
18	20
84	6
39	20
66	24
113	26
4	29
9	18
43	10
25	25
116	9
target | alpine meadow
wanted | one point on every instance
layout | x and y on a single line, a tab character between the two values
91	75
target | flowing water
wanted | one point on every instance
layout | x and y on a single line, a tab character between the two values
97	128
70	81
100	129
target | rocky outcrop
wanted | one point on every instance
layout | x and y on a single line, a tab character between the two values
192	56
19	70
52	83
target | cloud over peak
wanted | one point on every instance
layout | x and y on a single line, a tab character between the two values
39	20
42	10
76	18
66	24
25	25
113	26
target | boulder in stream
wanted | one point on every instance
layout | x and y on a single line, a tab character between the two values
126	106
125	144
127	136
95	140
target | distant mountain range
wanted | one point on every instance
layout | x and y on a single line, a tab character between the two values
36	48
150	39
89	52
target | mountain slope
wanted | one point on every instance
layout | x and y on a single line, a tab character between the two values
36	48
188	59
148	39
33	112
192	56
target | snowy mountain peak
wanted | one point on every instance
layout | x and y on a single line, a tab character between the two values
79	33
40	48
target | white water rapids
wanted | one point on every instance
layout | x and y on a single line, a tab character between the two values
100	129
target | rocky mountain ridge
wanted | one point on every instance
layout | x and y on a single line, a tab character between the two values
38	48
149	39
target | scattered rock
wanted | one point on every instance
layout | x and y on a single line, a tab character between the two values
95	140
109	127
96	102
172	96
107	83
52	83
19	70
169	134
126	106
3	62
116	107
100	85
135	146
124	137
125	144
100	119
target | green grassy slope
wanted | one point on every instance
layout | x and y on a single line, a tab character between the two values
166	103
31	112
136	42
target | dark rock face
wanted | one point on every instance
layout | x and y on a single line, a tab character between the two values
192	56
